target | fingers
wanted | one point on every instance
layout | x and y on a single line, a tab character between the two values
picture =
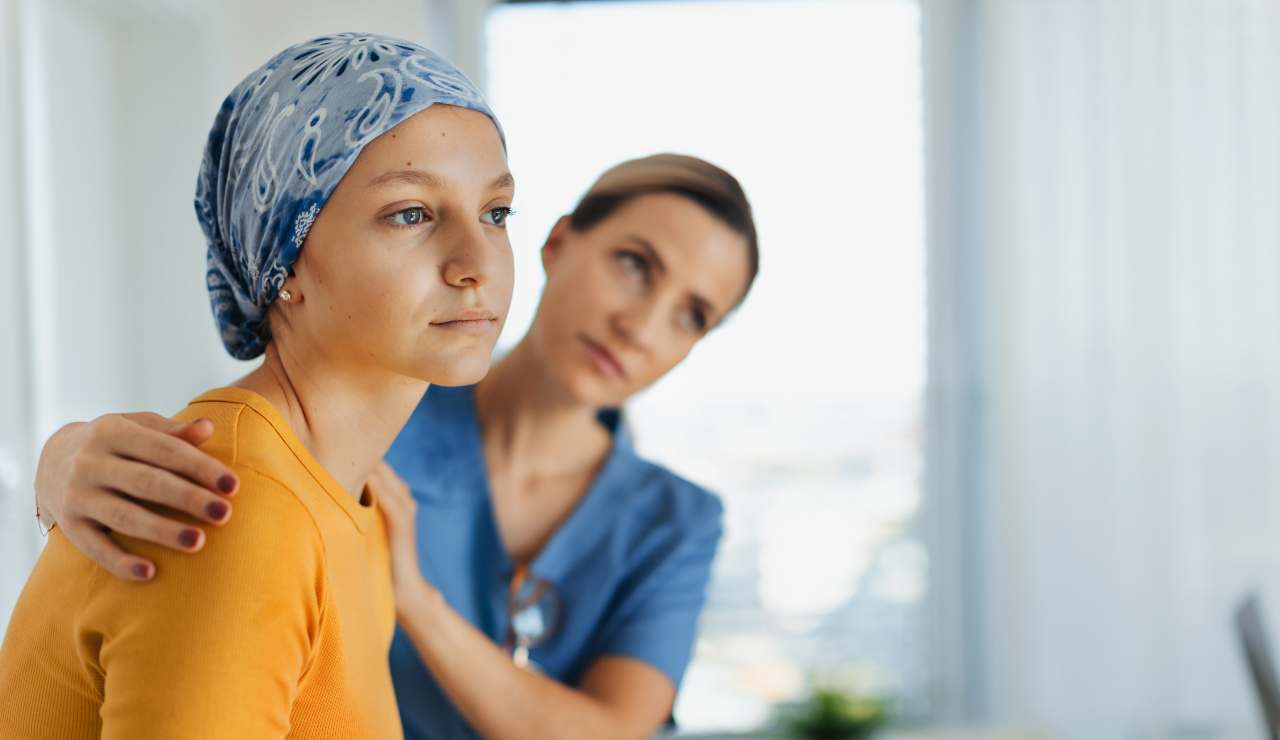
153	421
104	551
118	514
390	484
95	467
382	493
395	501
392	494
399	513
195	432
174	454
154	485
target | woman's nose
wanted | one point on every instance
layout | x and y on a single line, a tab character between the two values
472	258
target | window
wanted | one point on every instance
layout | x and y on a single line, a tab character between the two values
804	411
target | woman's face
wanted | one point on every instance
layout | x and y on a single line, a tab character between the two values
627	299
407	268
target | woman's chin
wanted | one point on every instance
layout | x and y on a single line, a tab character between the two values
467	373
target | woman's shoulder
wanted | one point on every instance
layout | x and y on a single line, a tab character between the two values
270	527
255	441
263	571
247	429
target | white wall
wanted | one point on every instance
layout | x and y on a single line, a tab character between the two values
251	32
104	110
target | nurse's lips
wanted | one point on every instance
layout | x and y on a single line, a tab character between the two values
605	361
471	321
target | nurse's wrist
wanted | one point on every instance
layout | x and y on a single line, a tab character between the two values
417	599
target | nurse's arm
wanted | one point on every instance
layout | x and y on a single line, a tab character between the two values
618	697
92	476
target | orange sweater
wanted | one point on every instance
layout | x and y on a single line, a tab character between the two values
279	627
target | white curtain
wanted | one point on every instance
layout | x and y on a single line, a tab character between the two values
17	530
1105	246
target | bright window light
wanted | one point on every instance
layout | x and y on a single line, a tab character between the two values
804	411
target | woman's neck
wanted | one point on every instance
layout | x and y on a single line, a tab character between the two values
533	428
347	418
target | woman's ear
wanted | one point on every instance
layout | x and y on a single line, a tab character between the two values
552	247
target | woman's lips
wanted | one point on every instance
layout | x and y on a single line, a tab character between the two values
604	360
471	321
469	326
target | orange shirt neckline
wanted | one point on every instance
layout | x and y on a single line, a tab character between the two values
361	515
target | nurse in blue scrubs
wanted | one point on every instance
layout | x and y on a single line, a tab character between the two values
548	579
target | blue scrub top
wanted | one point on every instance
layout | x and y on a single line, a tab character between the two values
630	564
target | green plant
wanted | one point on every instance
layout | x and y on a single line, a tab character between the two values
832	714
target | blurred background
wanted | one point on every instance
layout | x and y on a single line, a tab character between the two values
994	430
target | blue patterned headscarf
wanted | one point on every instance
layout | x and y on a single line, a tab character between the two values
282	140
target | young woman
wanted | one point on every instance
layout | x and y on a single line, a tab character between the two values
539	533
317	173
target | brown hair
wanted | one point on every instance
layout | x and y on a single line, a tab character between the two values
696	179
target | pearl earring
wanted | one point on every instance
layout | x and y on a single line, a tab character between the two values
285	295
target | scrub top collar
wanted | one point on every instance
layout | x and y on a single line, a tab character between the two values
604	501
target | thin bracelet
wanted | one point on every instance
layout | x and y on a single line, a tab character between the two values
44	532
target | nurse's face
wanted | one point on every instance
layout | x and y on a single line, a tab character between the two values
408	268
627	299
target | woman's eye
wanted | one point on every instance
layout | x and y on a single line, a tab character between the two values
408	217
497	216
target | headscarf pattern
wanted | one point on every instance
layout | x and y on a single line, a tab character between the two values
280	144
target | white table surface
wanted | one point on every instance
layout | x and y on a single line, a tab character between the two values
890	734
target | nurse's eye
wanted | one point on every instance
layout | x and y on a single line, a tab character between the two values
498	216
408	217
694	319
632	263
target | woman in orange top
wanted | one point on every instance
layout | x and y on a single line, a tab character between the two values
383	160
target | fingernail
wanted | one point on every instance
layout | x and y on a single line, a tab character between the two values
227	483
189	537
216	510
142	570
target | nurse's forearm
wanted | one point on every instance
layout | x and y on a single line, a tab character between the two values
499	699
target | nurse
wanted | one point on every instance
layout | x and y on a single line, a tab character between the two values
552	581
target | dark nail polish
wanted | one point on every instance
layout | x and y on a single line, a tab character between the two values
189	538
226	484
216	510
142	570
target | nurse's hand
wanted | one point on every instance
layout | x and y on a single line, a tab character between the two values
92	475
400	512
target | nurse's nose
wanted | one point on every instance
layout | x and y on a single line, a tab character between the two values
640	324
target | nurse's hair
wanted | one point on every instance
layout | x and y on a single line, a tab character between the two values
696	179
